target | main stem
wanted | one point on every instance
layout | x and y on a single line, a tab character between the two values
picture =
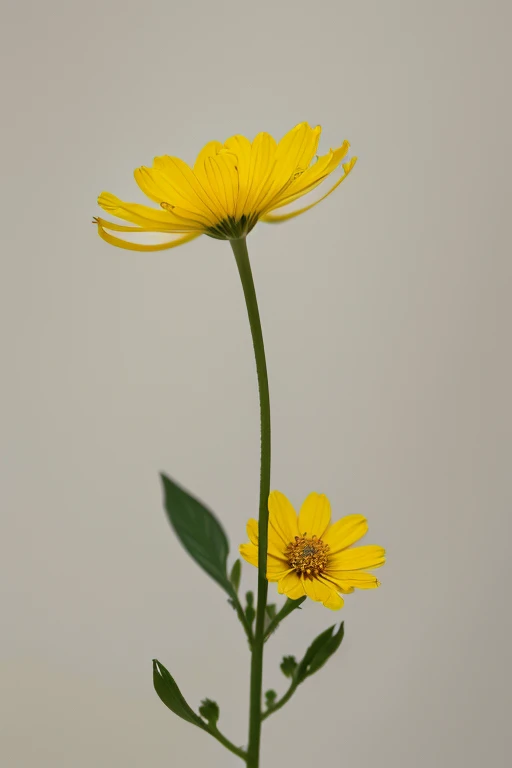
244	268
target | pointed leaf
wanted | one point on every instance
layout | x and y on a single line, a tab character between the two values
320	650
199	531
235	575
327	650
171	695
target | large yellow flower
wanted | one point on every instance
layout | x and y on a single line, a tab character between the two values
230	187
309	556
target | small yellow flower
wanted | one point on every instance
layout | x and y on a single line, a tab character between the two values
309	556
230	187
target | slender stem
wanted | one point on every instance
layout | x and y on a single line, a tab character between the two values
242	617
282	701
244	268
226	742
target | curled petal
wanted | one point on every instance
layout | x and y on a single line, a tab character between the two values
271	218
172	241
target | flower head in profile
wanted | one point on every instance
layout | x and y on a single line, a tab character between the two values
307	555
230	187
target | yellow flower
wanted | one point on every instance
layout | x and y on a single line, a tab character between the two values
230	187
309	556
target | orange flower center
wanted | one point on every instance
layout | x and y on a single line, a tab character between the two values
308	556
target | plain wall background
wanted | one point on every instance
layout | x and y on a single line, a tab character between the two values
386	314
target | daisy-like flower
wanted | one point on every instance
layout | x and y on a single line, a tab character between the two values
230	187
309	556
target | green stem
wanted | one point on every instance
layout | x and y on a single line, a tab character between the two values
242	617
226	742
244	268
287	696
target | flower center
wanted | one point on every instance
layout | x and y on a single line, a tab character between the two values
308	556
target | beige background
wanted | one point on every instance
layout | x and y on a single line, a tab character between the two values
387	321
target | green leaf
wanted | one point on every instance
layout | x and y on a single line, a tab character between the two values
171	695
320	650
250	612
271	611
199	531
236	573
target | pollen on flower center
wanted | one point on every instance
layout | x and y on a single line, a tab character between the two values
308	556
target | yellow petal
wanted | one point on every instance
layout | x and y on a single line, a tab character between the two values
293	156
345	532
276	568
282	518
212	148
275	573
131	246
291	585
347	581
336	584
275	544
158	187
185	183
249	553
317	172
270	218
222	175
263	150
322	592
240	147
290	152
358	558
151	219
314	515
335	601
252	531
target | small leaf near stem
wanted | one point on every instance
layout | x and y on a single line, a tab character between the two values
320	650
204	538
171	696
285	611
235	575
199	531
250	613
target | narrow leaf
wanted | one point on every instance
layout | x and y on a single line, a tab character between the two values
171	695
327	650
235	575
199	531
320	650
